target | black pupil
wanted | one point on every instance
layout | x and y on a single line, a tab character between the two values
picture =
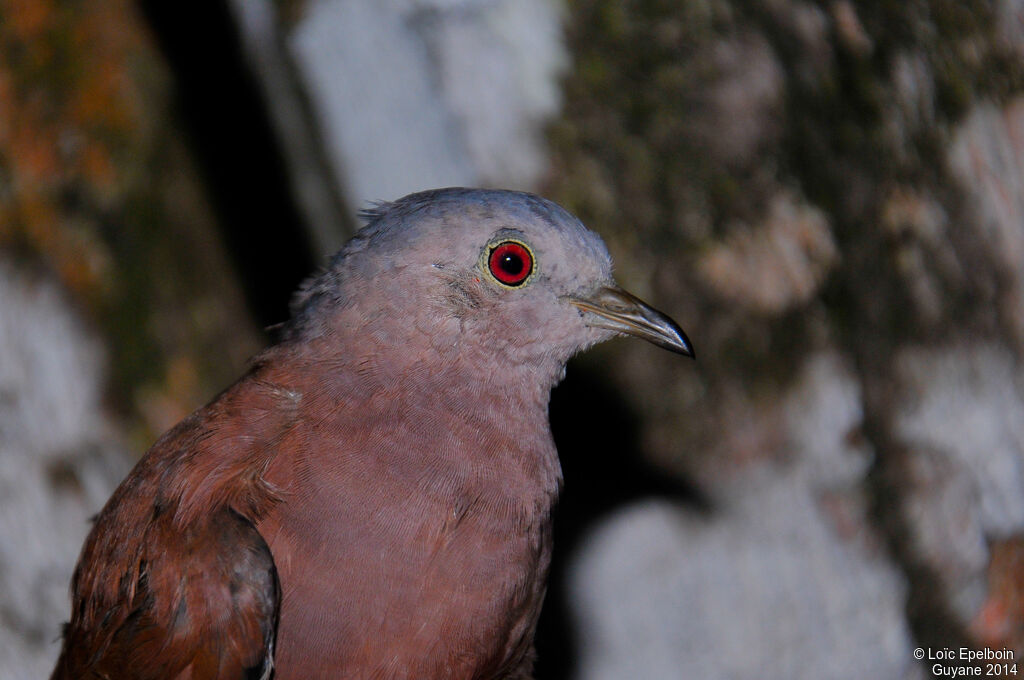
511	264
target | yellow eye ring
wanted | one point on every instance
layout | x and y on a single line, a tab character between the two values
509	262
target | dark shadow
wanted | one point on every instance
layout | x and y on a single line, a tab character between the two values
232	137
598	442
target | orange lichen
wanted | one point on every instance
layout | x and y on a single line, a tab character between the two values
1000	621
68	110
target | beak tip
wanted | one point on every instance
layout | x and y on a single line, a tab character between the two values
680	344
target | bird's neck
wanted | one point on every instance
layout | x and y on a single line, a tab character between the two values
444	415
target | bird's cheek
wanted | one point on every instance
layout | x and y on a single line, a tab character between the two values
527	321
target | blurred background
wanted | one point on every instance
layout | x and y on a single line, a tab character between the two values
828	195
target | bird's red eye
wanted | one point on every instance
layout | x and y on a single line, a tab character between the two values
510	262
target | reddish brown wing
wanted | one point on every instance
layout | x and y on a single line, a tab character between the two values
203	606
174	581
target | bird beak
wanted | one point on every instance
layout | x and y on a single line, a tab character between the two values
616	310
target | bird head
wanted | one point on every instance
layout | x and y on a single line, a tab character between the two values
500	272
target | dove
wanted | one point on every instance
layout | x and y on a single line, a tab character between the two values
373	498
